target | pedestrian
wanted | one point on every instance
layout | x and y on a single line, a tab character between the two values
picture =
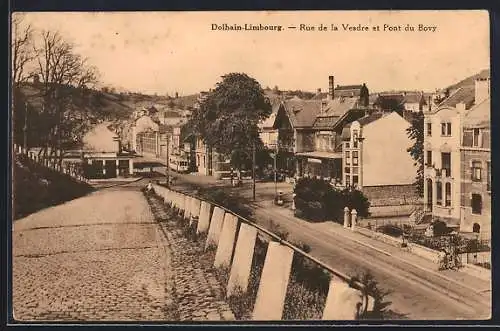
149	188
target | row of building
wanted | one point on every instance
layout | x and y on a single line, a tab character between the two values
352	138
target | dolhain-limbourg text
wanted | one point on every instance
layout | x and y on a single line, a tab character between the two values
246	27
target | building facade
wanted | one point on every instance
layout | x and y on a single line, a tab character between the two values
457	159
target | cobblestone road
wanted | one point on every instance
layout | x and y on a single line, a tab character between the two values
97	258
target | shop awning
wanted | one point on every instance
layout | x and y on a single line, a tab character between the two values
321	155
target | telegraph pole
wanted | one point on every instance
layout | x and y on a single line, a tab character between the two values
253	169
25	128
275	171
168	161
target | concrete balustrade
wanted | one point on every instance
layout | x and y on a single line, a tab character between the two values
343	302
227	239
204	219
235	243
242	261
270	300
215	228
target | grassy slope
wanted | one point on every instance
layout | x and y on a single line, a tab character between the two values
36	187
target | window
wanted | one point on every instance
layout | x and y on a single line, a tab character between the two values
347	145
355	170
355	158
347	158
355	181
355	139
446	163
429	159
488	176
347	170
439	193
476	171
447	194
348	180
429	129
476	203
475	138
446	129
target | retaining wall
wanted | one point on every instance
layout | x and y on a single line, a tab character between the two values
234	238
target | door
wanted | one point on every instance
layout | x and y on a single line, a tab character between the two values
110	168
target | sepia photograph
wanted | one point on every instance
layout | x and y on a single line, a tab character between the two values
225	166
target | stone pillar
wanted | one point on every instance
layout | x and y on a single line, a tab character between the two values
204	219
242	261
342	302
354	215
273	283
293	201
104	167
131	167
225	248
215	228
346	217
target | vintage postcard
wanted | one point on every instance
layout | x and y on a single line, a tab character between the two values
241	166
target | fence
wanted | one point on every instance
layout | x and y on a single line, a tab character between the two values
234	238
68	169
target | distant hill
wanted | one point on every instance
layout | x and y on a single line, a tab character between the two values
469	81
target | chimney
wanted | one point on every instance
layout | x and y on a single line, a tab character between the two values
319	91
482	90
430	103
331	87
460	107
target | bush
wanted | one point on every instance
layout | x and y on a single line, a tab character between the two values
234	203
317	200
440	228
390	230
371	288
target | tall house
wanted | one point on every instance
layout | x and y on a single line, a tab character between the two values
456	159
476	171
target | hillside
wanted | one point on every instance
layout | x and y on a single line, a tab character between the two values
469	81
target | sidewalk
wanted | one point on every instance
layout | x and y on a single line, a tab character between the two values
398	253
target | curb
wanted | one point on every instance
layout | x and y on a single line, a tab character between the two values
418	266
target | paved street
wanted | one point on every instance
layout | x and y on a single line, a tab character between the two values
419	291
100	257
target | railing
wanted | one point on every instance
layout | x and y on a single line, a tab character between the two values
339	274
165	192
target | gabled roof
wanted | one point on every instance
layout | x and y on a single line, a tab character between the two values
479	115
365	120
302	113
338	106
465	94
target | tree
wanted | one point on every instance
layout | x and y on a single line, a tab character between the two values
63	75
416	133
227	119
22	48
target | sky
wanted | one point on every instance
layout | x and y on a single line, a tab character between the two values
168	52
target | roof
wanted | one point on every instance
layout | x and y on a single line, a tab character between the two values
465	94
101	139
322	155
268	123
479	115
365	120
387	101
338	106
325	122
348	90
302	113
